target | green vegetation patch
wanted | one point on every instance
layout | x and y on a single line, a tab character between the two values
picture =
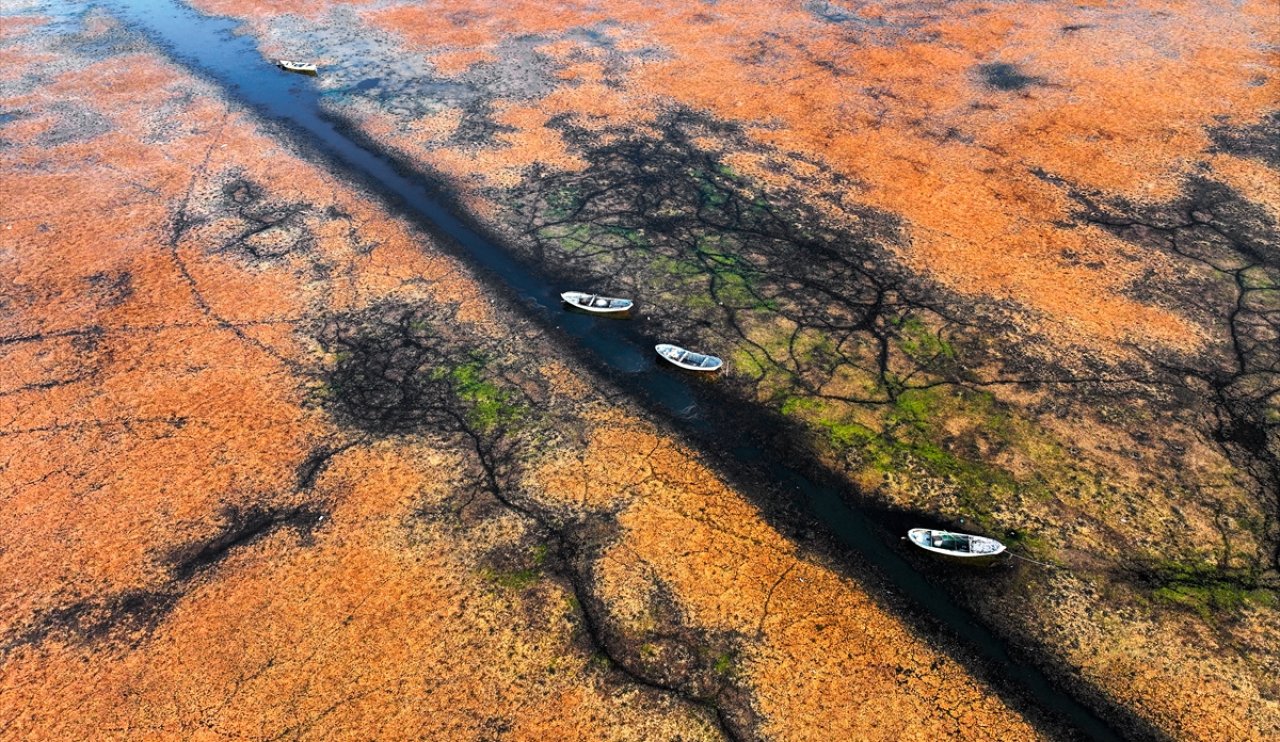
561	203
921	343
725	664
909	433
489	406
512	579
1205	589
524	577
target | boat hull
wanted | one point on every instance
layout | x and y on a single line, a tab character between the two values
675	355
299	68
986	551
612	305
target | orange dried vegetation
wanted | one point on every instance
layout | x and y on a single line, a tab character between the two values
155	382
1117	99
822	658
365	632
150	386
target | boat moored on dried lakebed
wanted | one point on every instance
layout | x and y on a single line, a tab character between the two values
596	303
687	359
304	68
959	547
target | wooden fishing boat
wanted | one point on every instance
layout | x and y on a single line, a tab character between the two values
687	359
304	68
959	547
596	303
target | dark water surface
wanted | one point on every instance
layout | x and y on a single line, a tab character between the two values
212	48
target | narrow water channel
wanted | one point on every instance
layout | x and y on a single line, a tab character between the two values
212	48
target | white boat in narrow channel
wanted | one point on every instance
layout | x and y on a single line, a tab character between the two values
596	303
687	359
305	68
961	547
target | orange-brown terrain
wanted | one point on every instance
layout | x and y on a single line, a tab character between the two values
270	470
1012	263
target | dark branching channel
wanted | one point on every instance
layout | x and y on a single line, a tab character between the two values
817	309
1231	284
395	370
388	372
713	256
135	612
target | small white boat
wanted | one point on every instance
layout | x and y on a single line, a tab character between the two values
595	302
687	359
962	547
305	68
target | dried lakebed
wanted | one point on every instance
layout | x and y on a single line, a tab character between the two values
216	51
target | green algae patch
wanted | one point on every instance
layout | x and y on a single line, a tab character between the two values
522	577
938	434
519	579
1206	590
921	343
489	406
